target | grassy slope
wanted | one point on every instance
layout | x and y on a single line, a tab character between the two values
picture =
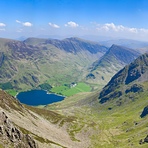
119	127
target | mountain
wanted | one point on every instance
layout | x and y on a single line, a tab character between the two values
30	63
112	61
76	45
80	120
130	78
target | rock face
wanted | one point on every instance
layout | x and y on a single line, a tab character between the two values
11	135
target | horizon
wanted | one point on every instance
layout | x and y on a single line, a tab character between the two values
109	19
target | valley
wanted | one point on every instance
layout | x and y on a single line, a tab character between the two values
105	89
34	62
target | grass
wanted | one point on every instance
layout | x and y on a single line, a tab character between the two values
67	91
120	127
12	92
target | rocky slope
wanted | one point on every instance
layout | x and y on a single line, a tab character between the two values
12	136
23	126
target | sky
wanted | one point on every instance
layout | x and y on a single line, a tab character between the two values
79	18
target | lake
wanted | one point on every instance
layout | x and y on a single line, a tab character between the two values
38	97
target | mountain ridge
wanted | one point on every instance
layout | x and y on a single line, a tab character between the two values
136	71
112	61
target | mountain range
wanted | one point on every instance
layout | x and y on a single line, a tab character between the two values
35	62
27	64
116	116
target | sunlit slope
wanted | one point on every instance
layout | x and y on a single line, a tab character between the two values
26	64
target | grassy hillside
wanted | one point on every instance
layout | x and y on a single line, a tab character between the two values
84	121
30	63
114	115
109	125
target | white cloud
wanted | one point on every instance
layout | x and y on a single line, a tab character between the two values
26	24
142	30
71	24
132	30
53	25
116	28
2	25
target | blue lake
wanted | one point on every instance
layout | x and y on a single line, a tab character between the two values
38	97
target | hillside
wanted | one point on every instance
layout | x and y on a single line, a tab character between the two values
30	63
136	72
27	127
120	115
112	61
82	119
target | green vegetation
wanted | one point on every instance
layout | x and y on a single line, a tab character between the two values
112	126
45	86
12	92
6	86
69	91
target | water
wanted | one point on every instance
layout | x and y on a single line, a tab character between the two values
38	97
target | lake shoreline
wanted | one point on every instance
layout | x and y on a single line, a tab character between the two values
38	97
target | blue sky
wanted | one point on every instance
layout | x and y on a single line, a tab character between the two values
114	18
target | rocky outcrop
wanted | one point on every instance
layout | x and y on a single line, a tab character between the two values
12	135
134	88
